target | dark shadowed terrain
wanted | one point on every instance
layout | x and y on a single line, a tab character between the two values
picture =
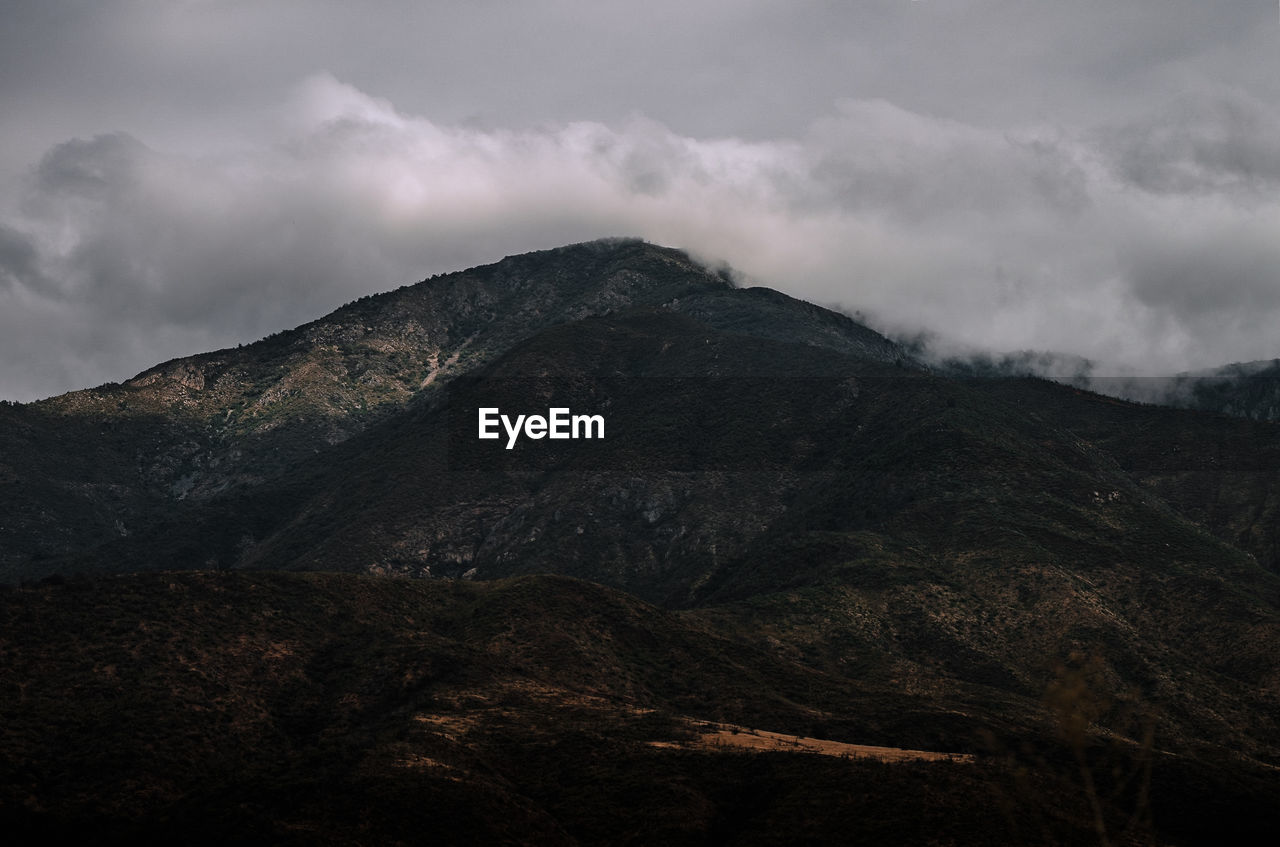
283	593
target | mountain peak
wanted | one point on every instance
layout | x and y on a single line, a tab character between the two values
593	262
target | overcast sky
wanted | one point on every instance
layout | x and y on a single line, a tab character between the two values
1097	177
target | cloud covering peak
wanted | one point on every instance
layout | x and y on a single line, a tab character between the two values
1140	235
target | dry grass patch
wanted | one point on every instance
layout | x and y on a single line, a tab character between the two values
725	736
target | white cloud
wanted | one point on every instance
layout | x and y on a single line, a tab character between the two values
1036	237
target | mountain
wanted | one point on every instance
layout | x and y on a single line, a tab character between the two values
789	525
200	427
1244	389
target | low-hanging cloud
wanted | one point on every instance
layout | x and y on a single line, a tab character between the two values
1147	244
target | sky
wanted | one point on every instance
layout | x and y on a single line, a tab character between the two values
1099	178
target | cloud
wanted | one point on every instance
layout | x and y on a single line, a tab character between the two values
1226	142
19	260
1093	242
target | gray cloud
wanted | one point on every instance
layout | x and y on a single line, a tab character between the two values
19	260
1224	143
1093	178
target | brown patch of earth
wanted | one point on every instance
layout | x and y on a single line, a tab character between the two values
725	736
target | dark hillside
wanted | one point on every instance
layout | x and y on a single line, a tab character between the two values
1220	472
334	709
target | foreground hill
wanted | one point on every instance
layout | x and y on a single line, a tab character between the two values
331	709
